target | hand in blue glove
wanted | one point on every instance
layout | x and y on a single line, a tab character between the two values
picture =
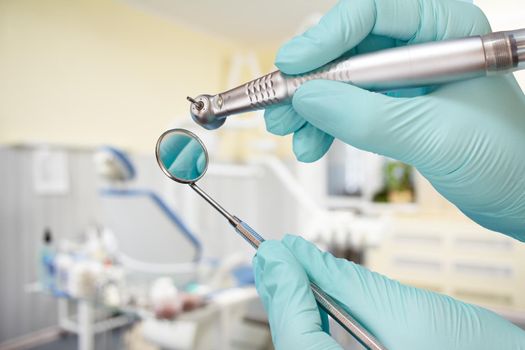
467	138
182	156
401	317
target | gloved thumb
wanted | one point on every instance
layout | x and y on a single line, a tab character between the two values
400	316
367	120
201	163
283	286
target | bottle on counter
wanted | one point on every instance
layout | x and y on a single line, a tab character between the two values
47	261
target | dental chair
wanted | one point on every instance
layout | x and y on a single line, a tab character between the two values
151	238
154	241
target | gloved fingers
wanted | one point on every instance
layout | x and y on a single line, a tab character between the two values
171	147
285	291
400	128
372	43
201	163
351	21
185	166
310	143
342	28
363	293
441	20
282	119
403	317
417	21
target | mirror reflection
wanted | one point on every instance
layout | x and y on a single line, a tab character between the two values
182	156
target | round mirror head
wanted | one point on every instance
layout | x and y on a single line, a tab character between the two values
181	155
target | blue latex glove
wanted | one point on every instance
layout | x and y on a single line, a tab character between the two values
401	317
183	157
466	138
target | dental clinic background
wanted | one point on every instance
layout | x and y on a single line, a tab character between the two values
100	250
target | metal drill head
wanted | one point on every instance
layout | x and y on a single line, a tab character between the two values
198	104
202	113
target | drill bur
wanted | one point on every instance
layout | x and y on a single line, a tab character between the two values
198	104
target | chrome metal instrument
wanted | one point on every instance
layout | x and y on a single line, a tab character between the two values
176	141
408	66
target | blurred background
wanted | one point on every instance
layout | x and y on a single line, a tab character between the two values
99	250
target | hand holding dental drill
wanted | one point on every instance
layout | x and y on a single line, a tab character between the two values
446	134
467	138
183	158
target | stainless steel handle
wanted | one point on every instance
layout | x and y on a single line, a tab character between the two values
344	319
326	302
409	66
331	307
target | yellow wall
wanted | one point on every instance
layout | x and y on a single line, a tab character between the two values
86	72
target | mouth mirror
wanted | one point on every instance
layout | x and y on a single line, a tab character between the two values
181	155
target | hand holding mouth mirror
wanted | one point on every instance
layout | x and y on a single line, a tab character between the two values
183	158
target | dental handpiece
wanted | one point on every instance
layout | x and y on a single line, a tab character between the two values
401	67
326	302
